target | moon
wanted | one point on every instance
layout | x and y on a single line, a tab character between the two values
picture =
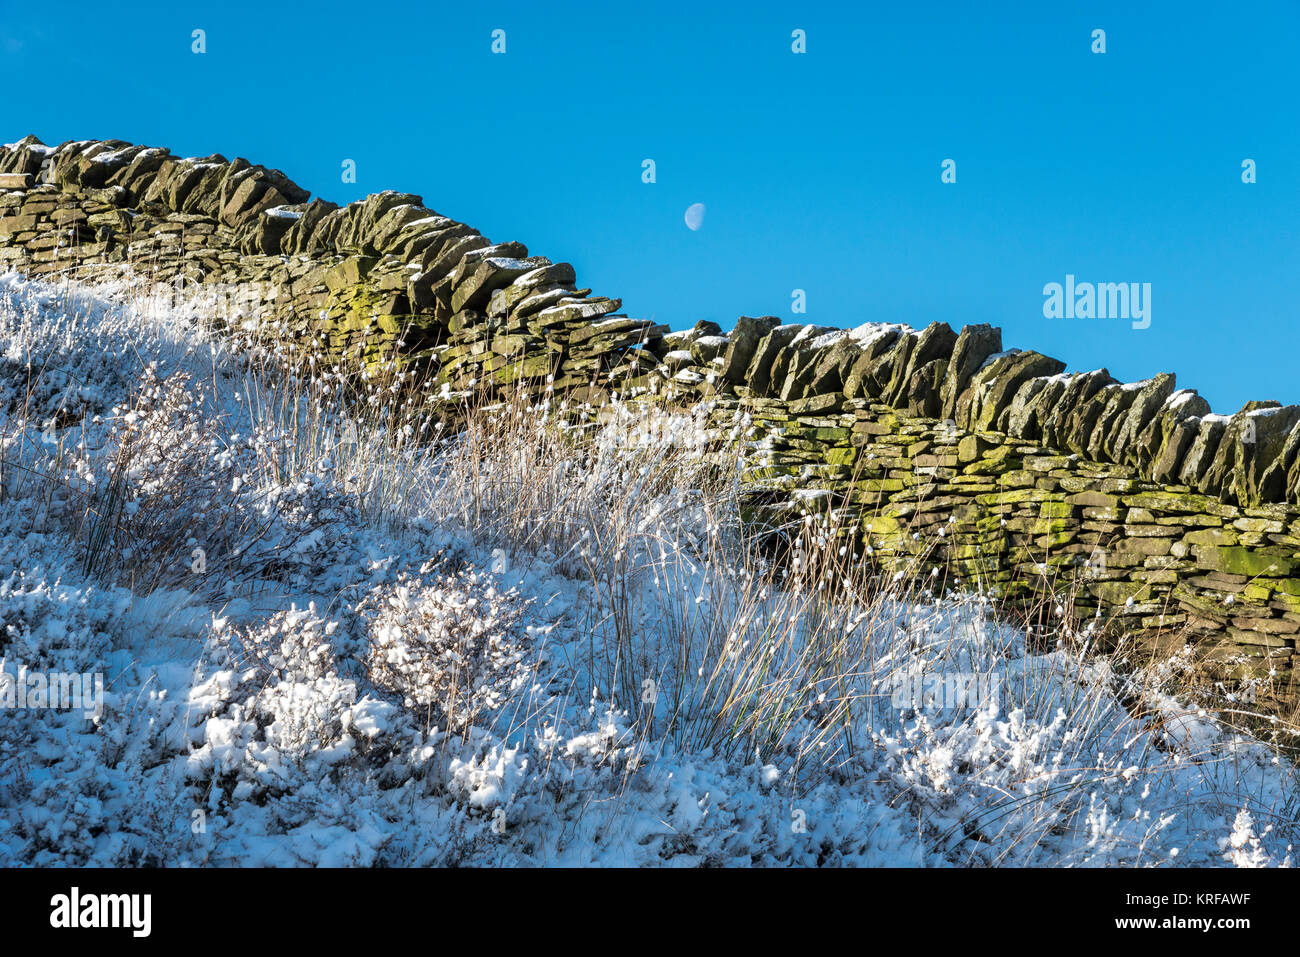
695	216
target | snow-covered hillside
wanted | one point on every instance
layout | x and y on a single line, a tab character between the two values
324	642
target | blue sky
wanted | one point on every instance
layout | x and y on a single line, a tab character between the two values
819	171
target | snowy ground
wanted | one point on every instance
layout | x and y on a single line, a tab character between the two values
316	651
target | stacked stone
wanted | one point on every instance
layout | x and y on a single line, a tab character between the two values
384	280
1032	483
930	447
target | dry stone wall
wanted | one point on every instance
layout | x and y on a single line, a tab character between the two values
930	447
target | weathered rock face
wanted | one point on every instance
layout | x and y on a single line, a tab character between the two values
931	447
993	387
973	346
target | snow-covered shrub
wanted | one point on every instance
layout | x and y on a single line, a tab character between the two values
298	697
451	645
1244	848
48	626
162	499
55	368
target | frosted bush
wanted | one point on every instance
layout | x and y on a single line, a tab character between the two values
53	368
162	485
451	646
299	695
290	646
1243	847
